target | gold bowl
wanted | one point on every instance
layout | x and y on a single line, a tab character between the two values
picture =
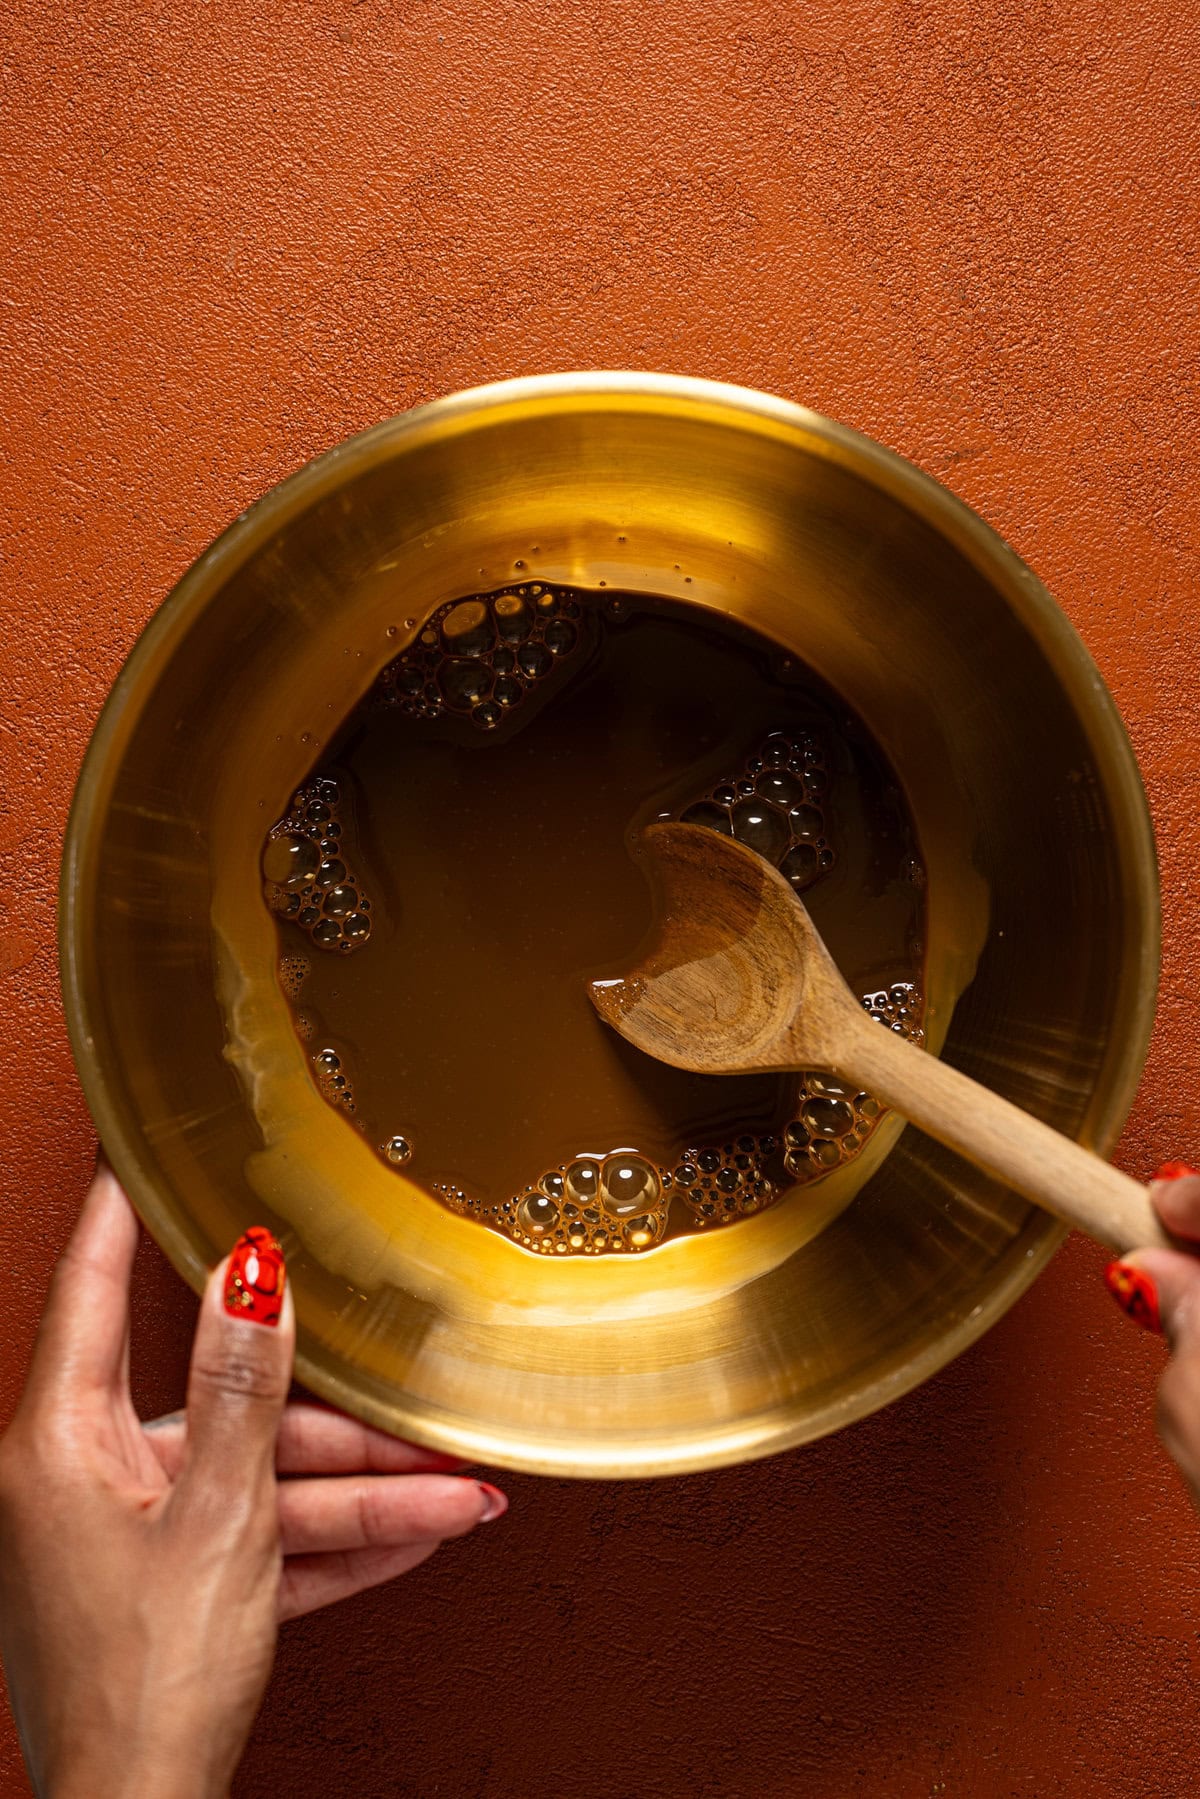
1042	916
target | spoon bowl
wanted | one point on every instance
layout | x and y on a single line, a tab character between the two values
733	974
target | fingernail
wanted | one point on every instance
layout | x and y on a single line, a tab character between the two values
494	1503
1174	1171
1135	1293
255	1282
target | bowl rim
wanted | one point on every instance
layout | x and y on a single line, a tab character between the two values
902	480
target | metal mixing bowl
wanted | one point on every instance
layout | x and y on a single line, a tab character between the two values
1043	916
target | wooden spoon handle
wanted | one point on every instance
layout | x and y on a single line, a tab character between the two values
1047	1167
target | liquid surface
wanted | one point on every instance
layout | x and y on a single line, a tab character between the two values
459	867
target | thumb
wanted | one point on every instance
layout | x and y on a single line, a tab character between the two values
241	1370
1161	1289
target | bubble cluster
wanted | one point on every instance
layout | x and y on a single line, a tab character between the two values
332	1080
832	1124
593	1205
306	878
899	1006
718	1183
479	658
293	971
623	1202
776	805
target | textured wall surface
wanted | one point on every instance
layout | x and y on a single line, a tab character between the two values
232	236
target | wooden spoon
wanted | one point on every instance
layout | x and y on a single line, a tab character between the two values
737	981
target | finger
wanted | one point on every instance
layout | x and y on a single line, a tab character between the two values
378	1511
240	1373
1175	1195
1159	1289
315	1440
309	1582
1178	1416
81	1341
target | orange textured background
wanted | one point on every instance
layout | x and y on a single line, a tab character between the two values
236	234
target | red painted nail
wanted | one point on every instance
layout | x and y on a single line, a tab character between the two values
1175	1171
1135	1293
256	1279
494	1502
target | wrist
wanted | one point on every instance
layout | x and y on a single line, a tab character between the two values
132	1783
115	1770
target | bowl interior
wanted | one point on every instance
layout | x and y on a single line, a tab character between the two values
1042	916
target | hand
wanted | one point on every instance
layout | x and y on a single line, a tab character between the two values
144	1569
1160	1289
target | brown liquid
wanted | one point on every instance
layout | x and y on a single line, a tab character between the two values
459	868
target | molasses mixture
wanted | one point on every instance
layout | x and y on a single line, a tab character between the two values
458	867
